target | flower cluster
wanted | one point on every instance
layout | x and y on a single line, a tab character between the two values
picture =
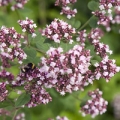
30	81
19	4
58	30
105	13
66	72
10	46
116	18
105	4
4	112
95	106
3	91
28	26
82	37
100	48
6	76
20	116
116	106
60	118
4	2
38	95
106	69
65	7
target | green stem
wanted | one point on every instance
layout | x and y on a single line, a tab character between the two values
85	23
4	117
28	43
17	14
42	11
15	114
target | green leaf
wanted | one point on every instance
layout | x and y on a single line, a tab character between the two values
50	43
39	37
74	23
29	59
43	47
34	60
93	62
22	99
30	51
66	47
71	21
92	5
77	24
13	95
5	104
93	22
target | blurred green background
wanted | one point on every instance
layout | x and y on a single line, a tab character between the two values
43	12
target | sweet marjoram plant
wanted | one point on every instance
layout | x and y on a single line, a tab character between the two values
57	57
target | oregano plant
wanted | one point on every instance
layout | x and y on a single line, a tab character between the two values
63	57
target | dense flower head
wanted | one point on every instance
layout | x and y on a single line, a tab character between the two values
4	112
97	105
95	34
66	8
60	118
20	116
4	2
37	92
6	76
106	69
10	46
116	106
116	18
38	95
82	37
106	4
65	71
3	91
104	13
94	37
103	19
59	30
19	4
26	77
28	26
117	8
64	2
67	11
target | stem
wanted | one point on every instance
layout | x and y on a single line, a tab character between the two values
4	117
28	43
15	114
17	14
42	12
85	23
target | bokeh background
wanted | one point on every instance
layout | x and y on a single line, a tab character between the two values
43	12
